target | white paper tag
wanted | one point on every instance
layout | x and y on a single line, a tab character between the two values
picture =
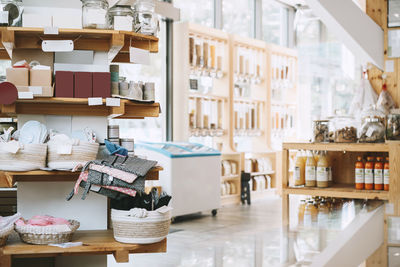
12	147
25	95
95	16
95	101
51	30
123	23
95	188
64	149
36	90
369	132
4	17
67	245
113	102
139	56
164	209
389	208
389	65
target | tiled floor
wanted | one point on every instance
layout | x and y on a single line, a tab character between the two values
237	236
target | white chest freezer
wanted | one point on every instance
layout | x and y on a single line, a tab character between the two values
191	174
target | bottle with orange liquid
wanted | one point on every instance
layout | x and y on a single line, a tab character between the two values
369	174
378	174
359	174
386	175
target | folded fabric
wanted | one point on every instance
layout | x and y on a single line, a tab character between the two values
122	175
42	220
5	222
115	149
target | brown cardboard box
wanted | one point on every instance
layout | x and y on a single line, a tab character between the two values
40	77
38	91
18	76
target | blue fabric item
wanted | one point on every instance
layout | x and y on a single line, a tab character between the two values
115	149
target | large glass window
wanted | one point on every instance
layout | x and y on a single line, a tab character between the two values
200	12
238	16
274	22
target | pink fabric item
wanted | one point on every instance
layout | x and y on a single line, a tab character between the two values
124	176
43	220
20	222
59	221
39	222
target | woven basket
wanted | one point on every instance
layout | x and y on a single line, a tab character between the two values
80	154
29	157
5	233
45	239
133	230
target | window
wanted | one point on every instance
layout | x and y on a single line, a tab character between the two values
196	11
148	129
274	22
238	16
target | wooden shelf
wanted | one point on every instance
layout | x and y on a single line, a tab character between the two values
208	96
230	199
349	147
98	242
79	106
338	190
8	179
262	173
116	43
230	177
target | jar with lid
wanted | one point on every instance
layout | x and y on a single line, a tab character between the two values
321	131
372	131
145	18
345	129
94	14
393	125
120	18
11	13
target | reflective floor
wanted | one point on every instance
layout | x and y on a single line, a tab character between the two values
246	236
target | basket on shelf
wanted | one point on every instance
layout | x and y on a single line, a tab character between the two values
38	235
79	154
150	227
4	233
28	157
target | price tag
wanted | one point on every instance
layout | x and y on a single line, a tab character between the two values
139	56
36	90
95	101
64	149
113	102
4	17
51	30
123	23
25	95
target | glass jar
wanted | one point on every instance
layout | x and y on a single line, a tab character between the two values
345	129
94	14
321	131
372	131
145	20
11	13
120	18
393	125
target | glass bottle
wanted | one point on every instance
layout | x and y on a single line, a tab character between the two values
145	19
322	171
386	175
359	172
94	13
299	169
378	174
369	174
311	165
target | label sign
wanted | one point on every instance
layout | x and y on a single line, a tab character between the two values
139	56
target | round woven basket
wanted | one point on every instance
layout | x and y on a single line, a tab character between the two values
45	239
133	230
4	234
29	157
81	153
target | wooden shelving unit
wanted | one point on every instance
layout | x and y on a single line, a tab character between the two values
116	43
8	179
233	178
79	106
343	160
94	243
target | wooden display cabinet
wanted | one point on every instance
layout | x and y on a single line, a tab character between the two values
234	178
343	160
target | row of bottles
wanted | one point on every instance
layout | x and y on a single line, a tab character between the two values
373	175
312	169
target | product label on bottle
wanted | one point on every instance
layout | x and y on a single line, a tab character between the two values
378	176
297	173
330	174
310	173
322	174
369	176
386	176
359	176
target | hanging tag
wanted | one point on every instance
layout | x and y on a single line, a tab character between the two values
113	102
58	46
139	56
95	101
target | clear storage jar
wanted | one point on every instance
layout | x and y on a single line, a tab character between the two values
345	129
372	131
393	125
120	18
145	19
321	131
11	13
94	14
